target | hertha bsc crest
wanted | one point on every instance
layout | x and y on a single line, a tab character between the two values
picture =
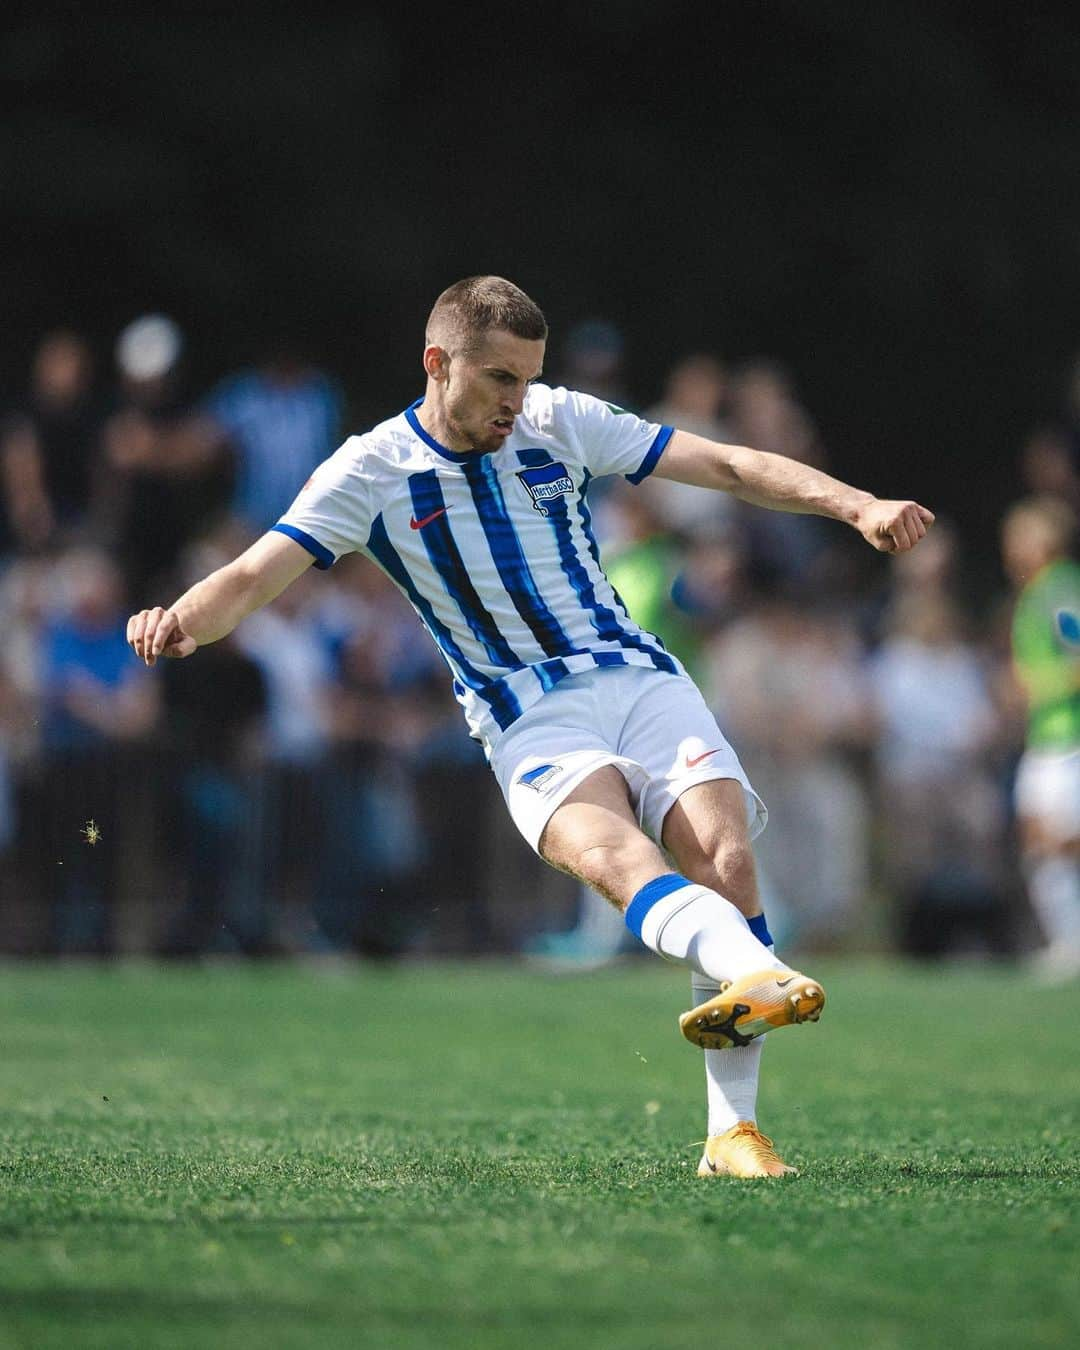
546	483
540	777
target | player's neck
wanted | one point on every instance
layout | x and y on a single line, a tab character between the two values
432	417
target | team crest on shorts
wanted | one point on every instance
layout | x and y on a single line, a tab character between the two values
539	777
545	483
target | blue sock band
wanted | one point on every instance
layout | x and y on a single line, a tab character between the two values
647	897
760	930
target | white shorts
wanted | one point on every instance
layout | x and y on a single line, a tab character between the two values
1048	790
654	727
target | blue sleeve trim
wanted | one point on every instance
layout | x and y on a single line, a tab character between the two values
324	559
760	930
649	894
654	452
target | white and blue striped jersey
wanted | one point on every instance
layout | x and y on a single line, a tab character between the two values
495	551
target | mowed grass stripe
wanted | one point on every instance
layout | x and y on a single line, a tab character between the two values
485	1157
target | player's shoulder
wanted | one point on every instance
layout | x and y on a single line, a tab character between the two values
538	409
388	444
558	398
548	408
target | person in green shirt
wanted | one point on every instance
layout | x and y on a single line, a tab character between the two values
1036	537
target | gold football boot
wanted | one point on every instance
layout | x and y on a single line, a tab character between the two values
750	1006
742	1151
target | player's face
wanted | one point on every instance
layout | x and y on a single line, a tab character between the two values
484	391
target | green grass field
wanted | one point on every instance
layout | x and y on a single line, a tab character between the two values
482	1157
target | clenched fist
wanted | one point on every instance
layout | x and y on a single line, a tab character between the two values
157	632
893	527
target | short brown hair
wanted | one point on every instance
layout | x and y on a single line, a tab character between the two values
470	308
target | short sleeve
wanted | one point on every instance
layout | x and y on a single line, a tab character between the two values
331	516
609	439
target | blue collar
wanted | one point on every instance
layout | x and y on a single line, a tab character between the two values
455	457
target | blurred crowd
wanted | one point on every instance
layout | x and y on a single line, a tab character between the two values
307	785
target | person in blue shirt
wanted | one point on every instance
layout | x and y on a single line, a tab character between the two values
94	706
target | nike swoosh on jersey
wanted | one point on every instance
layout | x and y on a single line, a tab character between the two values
691	763
415	524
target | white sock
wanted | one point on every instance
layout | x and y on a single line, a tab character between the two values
685	922
731	1076
1054	887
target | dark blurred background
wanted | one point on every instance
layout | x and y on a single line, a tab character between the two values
866	218
884	197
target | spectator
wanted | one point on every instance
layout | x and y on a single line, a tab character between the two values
645	568
941	808
285	833
49	447
280	421
1036	538
695	399
96	702
1048	466
766	414
162	483
792	551
214	708
392	786
788	684
26	594
593	361
931	574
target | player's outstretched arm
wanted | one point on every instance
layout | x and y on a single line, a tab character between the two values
215	605
786	485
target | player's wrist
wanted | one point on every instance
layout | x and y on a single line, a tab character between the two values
858	510
186	623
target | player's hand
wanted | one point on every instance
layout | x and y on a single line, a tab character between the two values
156	632
894	527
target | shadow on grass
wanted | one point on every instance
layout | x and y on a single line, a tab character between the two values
194	1221
85	1303
938	1171
130	1304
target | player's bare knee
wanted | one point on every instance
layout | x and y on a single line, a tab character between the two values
618	868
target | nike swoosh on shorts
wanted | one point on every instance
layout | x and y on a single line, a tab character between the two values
693	763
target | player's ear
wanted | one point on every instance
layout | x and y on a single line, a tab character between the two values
436	362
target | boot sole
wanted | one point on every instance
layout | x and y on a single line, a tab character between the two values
750	1007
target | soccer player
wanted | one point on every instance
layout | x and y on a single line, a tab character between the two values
1036	535
475	502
